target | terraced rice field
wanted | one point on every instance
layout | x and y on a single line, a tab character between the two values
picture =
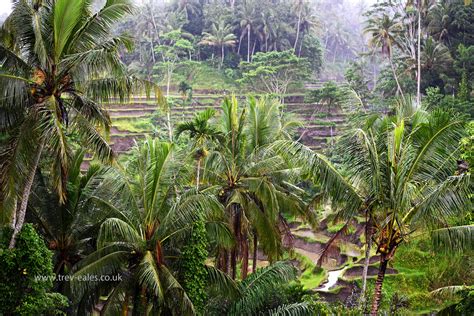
140	117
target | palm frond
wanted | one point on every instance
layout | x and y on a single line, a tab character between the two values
295	309
449	291
222	284
453	239
148	274
257	285
334	184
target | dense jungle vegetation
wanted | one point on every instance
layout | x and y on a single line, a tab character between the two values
236	157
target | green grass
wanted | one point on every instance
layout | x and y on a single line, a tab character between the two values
207	77
312	275
324	123
311	279
334	228
137	125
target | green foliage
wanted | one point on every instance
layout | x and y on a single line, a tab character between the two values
273	72
312	50
464	91
194	274
357	77
27	276
467	144
330	94
462	104
267	289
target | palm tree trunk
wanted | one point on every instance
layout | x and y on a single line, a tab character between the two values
394	72
368	240
240	44
228	255
222	55
125	305
248	44
19	218
170	128
418	74
238	240
378	285
168	114
301	44
245	258
255	248
297	30
253	48
198	172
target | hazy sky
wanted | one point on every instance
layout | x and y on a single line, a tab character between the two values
5	6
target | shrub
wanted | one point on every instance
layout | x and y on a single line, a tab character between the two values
21	290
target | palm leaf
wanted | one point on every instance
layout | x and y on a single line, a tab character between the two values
453	239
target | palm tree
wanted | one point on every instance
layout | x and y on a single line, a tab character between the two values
299	8
67	228
248	22
221	36
435	56
384	31
190	7
61	60
201	132
255	291
250	181
141	241
304	23
405	165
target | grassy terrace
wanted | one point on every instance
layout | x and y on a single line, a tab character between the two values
141	116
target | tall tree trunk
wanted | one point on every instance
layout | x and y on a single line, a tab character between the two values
245	258
125	305
255	249
222	56
238	238
170	128
168	111
301	44
240	43
378	285
248	44
418	73
394	72
19	218
368	240
253	48
152	51
297	30
228	254
198	173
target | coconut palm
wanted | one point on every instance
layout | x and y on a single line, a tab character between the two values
435	56
304	23
221	36
251	181
248	21
384	31
142	239
201	132
255	291
189	7
406	166
61	61
68	228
